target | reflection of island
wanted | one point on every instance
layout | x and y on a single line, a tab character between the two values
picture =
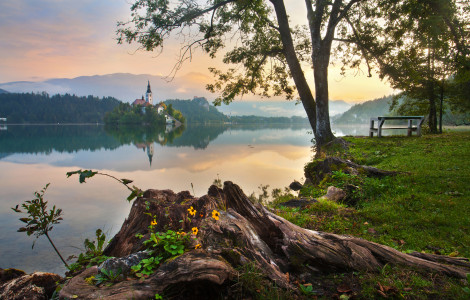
136	135
43	139
150	149
29	139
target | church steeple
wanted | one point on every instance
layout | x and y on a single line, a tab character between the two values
150	153
148	95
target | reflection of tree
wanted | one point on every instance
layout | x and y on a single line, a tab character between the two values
142	135
198	136
255	127
45	139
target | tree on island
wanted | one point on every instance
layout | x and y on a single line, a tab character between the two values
127	114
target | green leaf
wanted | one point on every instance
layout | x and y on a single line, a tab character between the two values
73	172
126	181
86	174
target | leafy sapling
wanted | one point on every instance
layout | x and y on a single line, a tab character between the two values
84	174
40	221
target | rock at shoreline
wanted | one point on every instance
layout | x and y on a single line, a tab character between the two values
122	265
335	194
9	274
295	185
35	286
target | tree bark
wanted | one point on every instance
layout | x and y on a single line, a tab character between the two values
432	109
441	108
301	84
320	72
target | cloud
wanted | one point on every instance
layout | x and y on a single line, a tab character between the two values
70	38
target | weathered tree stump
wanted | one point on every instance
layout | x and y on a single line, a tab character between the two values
318	169
245	233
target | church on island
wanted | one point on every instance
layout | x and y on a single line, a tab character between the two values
161	107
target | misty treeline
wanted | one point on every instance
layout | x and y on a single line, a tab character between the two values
46	109
399	105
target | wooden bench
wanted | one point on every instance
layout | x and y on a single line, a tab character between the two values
381	120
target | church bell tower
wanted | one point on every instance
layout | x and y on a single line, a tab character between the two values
148	95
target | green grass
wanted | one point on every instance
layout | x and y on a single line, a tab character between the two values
425	208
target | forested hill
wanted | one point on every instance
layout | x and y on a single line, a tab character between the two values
42	108
198	110
3	91
362	112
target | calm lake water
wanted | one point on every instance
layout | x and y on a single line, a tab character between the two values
32	156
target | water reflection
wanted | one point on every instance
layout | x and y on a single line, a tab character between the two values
164	158
178	158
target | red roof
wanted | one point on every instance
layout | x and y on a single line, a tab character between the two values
140	102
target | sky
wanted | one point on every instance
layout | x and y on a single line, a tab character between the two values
43	39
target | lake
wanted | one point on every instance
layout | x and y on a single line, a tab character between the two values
188	158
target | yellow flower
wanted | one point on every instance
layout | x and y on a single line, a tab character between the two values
215	215
181	233
198	246
195	230
153	223
192	211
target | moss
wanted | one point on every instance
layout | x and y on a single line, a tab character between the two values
232	256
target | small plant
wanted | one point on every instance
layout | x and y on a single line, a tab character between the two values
341	178
40	221
147	266
162	246
84	174
158	297
263	196
168	243
93	254
466	289
307	289
107	277
217	182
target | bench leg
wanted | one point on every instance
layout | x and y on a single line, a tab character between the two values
371	127
418	130
410	127
379	131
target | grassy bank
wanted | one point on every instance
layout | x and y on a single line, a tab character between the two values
424	208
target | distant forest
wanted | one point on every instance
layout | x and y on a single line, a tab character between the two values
42	108
199	111
362	112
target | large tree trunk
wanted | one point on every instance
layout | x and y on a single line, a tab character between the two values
441	106
245	234
323	134
432	110
301	84
317	110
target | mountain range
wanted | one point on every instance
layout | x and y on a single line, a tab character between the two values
362	112
128	87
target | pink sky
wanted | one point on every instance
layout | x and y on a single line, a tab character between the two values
66	39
